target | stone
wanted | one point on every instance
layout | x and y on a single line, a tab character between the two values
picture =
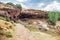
42	25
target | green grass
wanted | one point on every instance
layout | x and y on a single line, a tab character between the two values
18	21
1	33
6	23
9	35
5	18
30	22
2	18
31	29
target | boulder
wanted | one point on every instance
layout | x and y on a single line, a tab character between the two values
42	25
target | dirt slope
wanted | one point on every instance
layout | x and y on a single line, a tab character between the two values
43	36
25	34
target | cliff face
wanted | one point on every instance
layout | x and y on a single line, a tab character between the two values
11	11
15	13
34	13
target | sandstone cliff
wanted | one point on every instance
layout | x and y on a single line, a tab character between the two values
34	13
15	13
11	11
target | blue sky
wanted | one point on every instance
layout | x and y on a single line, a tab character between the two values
48	5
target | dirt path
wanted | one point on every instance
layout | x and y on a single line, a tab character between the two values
25	34
43	36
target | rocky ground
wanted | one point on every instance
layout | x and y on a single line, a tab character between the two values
23	33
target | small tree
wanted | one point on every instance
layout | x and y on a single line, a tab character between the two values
9	3
53	17
19	6
59	15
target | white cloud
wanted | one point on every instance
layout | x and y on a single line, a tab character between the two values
54	6
23	6
40	4
22	0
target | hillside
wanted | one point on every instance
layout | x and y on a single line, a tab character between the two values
20	32
10	11
24	34
3	5
7	30
15	13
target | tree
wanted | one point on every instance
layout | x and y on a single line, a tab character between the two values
9	3
19	6
53	17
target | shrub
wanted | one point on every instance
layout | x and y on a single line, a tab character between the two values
9	35
30	22
1	33
59	15
19	6
10	3
6	23
53	17
5	18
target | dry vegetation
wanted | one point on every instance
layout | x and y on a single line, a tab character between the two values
6	29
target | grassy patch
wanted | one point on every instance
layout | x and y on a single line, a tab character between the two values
1	33
9	35
31	29
30	22
4	26
6	23
5	18
18	21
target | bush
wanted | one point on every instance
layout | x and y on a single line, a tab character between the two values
19	6
2	18
59	15
9	3
9	35
53	17
30	22
5	18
